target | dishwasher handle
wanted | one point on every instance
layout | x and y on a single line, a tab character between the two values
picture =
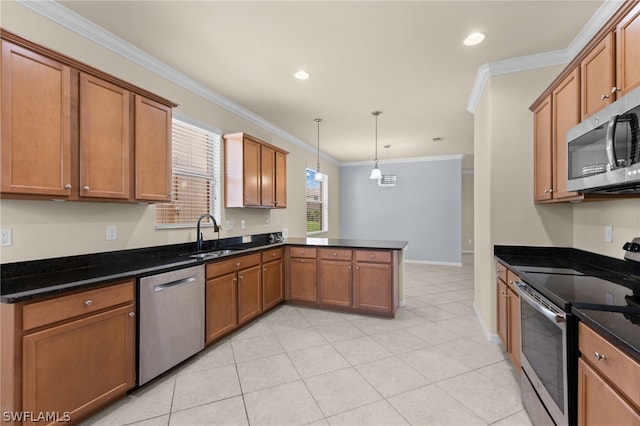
165	286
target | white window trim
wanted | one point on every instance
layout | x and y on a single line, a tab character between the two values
325	203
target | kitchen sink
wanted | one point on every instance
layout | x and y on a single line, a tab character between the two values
214	254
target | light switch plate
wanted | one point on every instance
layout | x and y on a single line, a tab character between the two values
229	225
608	234
112	232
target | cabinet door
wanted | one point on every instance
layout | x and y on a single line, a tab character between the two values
599	403
542	146
36	123
79	365
152	150
267	176
372	287
513	301
249	294
281	180
105	139
502	307
334	283
566	114
597	77
302	280
221	306
628	52
272	284
251	172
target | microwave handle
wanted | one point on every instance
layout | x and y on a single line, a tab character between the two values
611	134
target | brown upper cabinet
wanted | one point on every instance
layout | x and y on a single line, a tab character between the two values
255	173
72	132
607	68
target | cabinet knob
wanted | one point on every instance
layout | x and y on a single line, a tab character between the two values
335	254
273	255
598	356
349	267
88	302
86	188
238	264
68	186
357	267
241	277
132	314
264	269
614	89
235	279
301	252
373	255
301	260
603	97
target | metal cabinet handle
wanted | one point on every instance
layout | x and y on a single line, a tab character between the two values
86	188
598	356
68	186
88	302
614	89
603	97
132	314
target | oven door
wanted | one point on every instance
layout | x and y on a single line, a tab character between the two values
544	351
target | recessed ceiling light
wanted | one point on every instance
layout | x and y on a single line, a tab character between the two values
301	75
473	39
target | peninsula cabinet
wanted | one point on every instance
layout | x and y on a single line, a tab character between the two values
255	173
335	277
272	278
608	392
303	284
72	132
61	343
508	313
373	281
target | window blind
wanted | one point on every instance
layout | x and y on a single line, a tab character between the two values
195	171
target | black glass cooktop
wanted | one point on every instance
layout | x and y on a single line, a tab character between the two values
598	290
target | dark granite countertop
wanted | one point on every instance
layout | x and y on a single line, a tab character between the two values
621	329
21	281
547	269
336	242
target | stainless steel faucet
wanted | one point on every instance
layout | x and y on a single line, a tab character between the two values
200	240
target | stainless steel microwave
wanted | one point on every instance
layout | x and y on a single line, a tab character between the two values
603	152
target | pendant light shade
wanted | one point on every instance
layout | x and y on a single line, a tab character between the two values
376	173
318	176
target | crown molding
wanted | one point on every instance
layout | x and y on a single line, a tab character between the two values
541	60
404	160
54	11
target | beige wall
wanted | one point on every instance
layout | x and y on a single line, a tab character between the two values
503	170
44	229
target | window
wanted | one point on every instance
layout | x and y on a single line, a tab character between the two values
317	195
195	182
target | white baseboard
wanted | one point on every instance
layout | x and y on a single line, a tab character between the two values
493	338
429	262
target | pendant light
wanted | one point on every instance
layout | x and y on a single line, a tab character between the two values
376	173
318	176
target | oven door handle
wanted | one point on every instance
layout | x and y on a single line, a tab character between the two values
550	315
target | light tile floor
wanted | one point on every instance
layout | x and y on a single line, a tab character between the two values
431	365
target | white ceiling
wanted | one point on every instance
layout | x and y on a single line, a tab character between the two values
403	58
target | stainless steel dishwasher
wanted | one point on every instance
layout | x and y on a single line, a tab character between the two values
171	320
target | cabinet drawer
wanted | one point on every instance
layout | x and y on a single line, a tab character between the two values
223	267
66	307
501	271
619	369
273	254
373	256
512	279
338	254
304	252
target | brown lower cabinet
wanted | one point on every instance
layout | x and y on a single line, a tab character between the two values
358	280
77	352
233	294
508	313
272	278
608	391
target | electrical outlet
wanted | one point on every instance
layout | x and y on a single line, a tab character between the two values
285	233
267	221
608	234
5	237
229	225
112	232
243	224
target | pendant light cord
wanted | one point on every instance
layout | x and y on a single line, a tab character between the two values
376	114
318	121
